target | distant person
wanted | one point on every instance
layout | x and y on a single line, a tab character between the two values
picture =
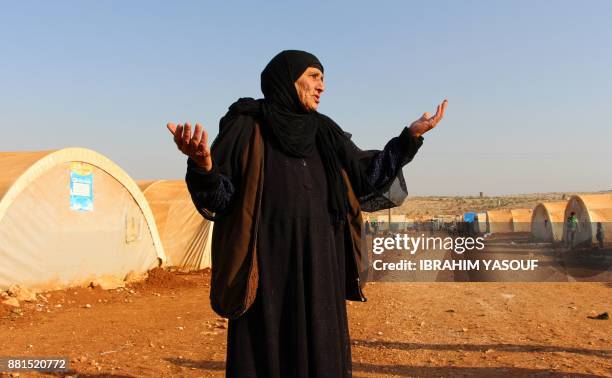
285	186
367	227
572	227
599	235
374	225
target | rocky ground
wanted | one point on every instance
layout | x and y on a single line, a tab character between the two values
164	327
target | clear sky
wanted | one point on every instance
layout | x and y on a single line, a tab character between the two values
529	83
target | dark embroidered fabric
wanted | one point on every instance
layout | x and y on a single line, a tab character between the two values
385	173
211	192
387	162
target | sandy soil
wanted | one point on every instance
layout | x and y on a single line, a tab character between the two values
165	327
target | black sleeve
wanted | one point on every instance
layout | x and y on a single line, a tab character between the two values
376	176
398	152
212	192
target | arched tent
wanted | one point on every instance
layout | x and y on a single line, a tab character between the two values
547	221
499	221
521	220
71	215
185	234
480	223
589	209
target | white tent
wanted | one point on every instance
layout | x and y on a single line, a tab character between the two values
71	215
547	221
185	234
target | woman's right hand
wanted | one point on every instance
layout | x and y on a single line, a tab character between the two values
195	146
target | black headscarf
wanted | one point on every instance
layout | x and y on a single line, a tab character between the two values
297	131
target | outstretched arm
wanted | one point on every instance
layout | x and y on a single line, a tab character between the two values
400	150
195	147
210	190
426	123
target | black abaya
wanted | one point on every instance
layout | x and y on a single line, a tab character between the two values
297	326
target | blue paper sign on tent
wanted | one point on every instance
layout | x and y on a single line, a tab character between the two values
81	187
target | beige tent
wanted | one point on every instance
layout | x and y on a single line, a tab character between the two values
399	222
521	220
185	234
590	209
398	218
547	221
71	215
499	221
481	222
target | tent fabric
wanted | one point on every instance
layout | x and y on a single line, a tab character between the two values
185	234
521	220
398	222
469	217
481	223
553	214
590	209
499	221
47	245
382	219
398	218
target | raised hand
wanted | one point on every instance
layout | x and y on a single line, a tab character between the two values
195	146
426	123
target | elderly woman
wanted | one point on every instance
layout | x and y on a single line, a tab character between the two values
285	186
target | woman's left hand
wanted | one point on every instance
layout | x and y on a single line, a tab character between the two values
426	123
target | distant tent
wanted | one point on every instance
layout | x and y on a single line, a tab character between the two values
590	209
547	221
71	215
499	221
398	222
469	217
521	220
481	223
399	218
185	234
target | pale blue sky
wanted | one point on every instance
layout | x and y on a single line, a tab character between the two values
529	83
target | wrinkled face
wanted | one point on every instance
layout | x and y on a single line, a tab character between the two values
309	88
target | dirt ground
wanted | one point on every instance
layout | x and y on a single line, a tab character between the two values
164	327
